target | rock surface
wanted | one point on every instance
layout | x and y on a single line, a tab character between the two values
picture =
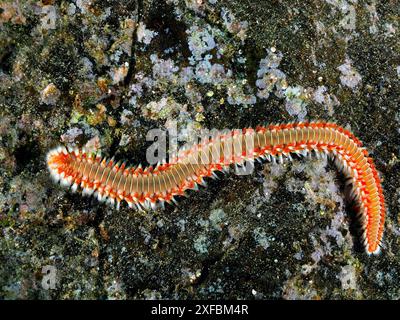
101	74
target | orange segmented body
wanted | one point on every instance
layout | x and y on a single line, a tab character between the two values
151	186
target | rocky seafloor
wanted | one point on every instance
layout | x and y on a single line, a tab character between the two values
101	74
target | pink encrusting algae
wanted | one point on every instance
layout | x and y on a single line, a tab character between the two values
148	187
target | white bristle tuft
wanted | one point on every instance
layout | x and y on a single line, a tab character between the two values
74	187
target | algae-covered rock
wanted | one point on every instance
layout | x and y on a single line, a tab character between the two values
102	74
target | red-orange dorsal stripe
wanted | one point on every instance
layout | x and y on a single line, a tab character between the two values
147	187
